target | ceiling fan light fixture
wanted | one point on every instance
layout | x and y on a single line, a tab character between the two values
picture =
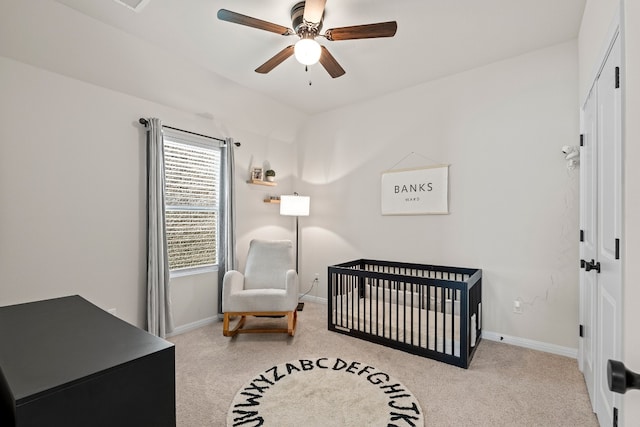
307	51
307	19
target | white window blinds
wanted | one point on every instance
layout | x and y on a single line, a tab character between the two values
192	175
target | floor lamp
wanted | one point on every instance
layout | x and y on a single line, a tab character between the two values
295	205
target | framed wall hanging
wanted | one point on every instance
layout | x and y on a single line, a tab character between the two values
419	191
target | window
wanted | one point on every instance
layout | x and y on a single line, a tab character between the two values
192	175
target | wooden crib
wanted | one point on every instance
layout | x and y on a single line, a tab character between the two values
428	310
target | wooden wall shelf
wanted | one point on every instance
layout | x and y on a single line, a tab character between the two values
272	201
257	182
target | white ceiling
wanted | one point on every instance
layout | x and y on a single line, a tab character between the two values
435	38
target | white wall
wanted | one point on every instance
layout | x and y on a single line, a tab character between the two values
72	163
514	210
72	158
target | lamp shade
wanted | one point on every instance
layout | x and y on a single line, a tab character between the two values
307	51
294	205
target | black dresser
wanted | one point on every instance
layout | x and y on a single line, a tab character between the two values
65	362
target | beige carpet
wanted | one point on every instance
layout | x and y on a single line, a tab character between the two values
504	386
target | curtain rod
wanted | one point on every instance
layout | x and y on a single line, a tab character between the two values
144	121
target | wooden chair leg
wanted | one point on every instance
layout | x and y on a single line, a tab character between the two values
292	320
225	326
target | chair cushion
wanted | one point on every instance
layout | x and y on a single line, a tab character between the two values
267	264
260	300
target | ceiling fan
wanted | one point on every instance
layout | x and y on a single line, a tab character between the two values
306	19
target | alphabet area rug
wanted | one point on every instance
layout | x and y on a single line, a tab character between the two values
324	392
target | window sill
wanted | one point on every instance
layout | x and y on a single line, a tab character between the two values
193	271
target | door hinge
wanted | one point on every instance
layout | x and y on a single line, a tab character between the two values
617	77
615	417
581	331
582	235
617	248
581	139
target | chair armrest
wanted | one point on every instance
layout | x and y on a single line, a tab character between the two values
292	287
232	283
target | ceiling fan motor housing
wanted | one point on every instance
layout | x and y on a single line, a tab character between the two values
301	27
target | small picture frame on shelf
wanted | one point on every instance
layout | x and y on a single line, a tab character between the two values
256	174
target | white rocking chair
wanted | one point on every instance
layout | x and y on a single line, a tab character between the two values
268	288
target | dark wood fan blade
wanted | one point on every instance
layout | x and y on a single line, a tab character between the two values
237	18
313	10
330	64
275	60
369	31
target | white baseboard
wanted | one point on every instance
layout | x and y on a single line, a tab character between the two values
191	326
531	344
494	336
311	298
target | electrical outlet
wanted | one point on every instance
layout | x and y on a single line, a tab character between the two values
517	306
317	277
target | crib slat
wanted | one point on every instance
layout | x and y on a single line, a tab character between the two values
412	311
453	322
420	302
427	314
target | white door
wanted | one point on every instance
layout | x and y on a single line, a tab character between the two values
589	235
600	221
609	217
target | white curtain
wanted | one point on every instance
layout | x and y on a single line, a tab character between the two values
227	255
159	321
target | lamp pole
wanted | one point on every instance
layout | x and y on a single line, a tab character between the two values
297	242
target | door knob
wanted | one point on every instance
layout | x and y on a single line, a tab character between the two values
592	266
621	379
